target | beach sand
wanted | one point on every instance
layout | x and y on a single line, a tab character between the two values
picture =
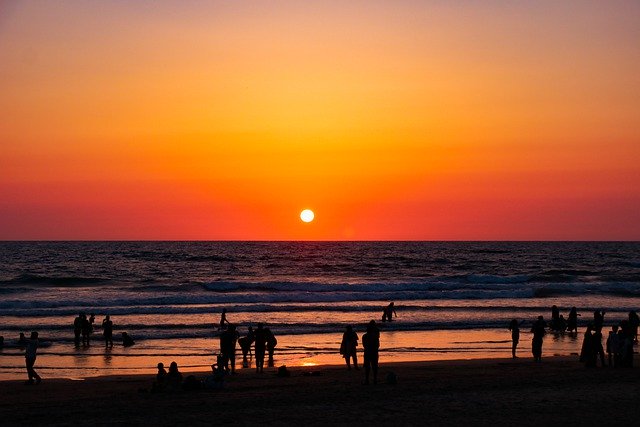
558	391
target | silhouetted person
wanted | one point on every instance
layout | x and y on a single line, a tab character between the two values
85	329
555	318
588	352
634	322
562	324
228	340
597	345
161	378
348	347
22	340
245	346
174	378
216	379
388	312
77	329
514	327
612	346
1	341
538	331
626	350
271	346
598	320
572	321
371	344
260	345
223	319
107	331
127	341
30	359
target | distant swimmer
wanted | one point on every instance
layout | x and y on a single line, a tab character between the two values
127	341
387	313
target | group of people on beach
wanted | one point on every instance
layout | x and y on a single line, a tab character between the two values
619	343
83	328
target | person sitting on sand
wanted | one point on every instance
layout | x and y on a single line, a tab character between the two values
107	331
538	331
127	341
371	344
348	347
514	327
216	379
173	381
387	313
30	358
161	378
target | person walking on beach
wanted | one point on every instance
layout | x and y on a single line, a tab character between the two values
107	331
597	346
30	359
538	330
612	346
514	327
260	347
348	347
371	344
598	320
387	313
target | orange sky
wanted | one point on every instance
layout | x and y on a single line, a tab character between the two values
408	120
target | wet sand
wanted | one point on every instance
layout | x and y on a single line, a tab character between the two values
477	392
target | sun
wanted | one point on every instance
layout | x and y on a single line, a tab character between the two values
307	215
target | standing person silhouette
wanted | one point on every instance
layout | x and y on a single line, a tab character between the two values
107	331
260	347
388	312
572	321
228	341
538	331
371	344
30	358
272	342
348	347
514	327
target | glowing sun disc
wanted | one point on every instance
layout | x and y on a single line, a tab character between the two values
307	215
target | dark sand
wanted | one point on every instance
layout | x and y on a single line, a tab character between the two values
558	391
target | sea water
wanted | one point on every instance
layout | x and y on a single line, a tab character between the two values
453	300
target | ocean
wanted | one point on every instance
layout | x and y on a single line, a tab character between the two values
453	300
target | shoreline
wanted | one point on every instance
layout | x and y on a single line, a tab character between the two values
480	391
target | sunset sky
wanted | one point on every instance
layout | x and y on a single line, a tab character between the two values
404	120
